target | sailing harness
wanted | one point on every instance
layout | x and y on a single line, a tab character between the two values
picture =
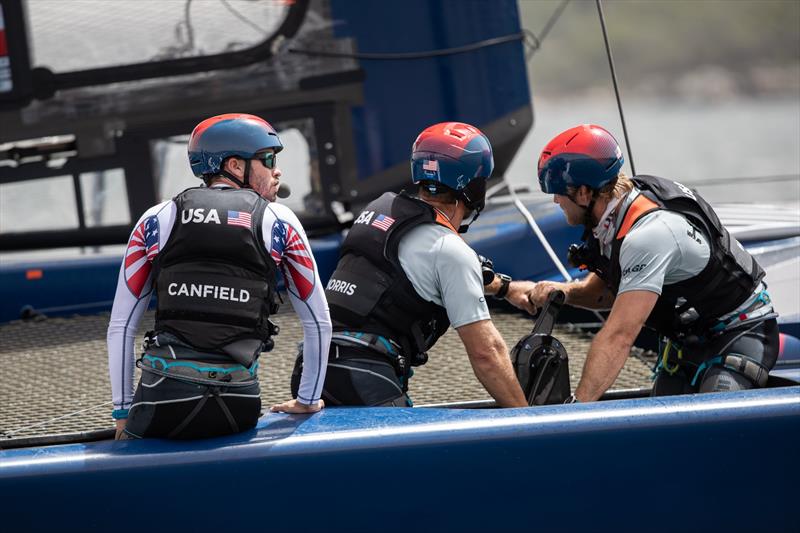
372	302
213	374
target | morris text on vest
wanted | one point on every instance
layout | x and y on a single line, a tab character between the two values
337	285
198	290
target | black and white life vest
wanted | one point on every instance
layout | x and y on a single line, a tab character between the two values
729	278
370	293
215	281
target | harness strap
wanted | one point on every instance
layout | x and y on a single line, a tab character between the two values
225	410
181	365
759	309
378	343
382	346
186	421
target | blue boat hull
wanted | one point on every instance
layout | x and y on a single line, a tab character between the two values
667	464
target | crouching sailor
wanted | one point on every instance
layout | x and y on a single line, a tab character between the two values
405	275
658	256
211	255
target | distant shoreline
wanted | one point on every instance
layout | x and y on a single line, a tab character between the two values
706	83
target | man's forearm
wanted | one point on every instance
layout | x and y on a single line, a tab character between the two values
606	357
590	293
488	356
612	345
497	377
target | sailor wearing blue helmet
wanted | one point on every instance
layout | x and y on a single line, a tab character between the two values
211	255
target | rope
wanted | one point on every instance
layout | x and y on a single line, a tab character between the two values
46	422
385	56
616	86
527	37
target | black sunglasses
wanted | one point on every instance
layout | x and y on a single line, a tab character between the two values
268	159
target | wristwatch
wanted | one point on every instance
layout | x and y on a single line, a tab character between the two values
505	281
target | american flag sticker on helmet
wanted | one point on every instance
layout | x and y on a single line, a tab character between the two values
431	165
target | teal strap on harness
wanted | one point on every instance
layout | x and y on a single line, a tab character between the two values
378	342
762	299
167	364
738	363
234	375
706	364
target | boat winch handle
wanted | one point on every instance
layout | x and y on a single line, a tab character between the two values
549	313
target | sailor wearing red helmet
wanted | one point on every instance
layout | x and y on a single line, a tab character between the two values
658	256
211	255
405	276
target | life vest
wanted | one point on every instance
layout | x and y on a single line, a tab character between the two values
729	278
215	282
369	292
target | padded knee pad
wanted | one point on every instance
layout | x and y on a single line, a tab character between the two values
718	379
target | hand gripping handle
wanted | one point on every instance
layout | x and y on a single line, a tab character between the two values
549	313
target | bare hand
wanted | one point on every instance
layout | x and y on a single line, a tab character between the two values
518	295
295	407
538	296
120	426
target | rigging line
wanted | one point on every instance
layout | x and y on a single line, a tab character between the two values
244	19
526	214
9	433
187	15
415	55
536	230
551	22
616	86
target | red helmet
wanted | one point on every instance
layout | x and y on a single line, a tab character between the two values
454	155
584	155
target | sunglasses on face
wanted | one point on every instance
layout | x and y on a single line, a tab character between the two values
268	159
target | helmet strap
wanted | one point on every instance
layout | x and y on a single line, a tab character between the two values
243	183
464	227
588	222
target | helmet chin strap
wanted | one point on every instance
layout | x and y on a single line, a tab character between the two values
588	222
464	227
475	206
245	183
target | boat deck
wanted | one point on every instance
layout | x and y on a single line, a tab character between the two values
55	371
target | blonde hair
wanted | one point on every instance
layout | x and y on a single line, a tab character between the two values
616	188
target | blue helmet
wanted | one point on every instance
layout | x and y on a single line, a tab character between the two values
455	155
233	134
584	155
